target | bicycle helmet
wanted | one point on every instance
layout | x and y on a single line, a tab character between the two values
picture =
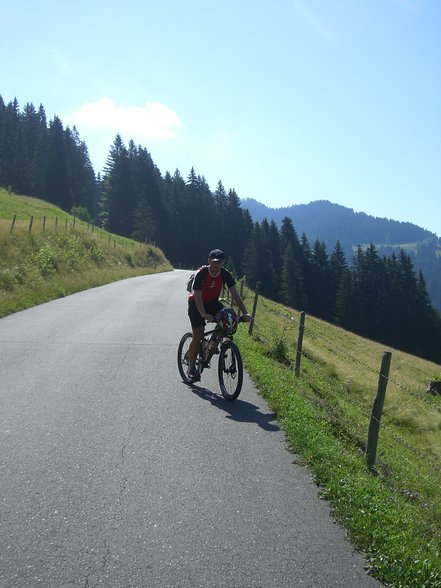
228	320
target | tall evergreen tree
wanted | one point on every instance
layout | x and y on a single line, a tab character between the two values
39	160
337	267
320	294
116	182
58	186
292	290
82	175
10	146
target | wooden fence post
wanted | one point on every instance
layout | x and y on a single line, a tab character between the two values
44	223
256	297
13	223
300	343
377	410
31	222
56	224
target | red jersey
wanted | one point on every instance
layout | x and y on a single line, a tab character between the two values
210	286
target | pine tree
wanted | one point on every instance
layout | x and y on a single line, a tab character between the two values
144	227
58	186
320	293
82	175
292	291
10	146
116	182
337	267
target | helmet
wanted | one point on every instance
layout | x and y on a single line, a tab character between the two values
228	320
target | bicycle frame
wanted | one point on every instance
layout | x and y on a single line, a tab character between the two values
216	340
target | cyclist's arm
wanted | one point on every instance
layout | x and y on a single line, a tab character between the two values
200	305
238	300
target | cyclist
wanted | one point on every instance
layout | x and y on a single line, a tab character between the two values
204	304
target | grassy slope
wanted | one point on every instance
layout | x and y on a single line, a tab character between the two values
63	258
392	514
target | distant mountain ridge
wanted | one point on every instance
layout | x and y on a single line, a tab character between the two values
327	222
330	222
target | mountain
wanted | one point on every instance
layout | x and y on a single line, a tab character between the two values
324	221
330	222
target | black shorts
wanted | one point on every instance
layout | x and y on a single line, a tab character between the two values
211	307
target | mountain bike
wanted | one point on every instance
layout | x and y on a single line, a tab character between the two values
218	341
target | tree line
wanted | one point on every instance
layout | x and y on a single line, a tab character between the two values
379	297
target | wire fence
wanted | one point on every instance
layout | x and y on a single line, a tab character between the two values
348	396
55	224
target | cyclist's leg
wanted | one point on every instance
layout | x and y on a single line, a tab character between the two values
198	327
193	350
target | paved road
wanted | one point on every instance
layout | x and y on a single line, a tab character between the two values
114	473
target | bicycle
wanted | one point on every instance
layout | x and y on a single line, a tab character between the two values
219	342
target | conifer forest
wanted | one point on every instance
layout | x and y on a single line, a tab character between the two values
380	297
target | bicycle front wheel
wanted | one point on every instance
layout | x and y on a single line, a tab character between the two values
230	370
183	360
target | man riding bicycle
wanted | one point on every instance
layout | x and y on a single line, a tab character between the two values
204	304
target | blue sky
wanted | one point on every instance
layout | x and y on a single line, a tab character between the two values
286	101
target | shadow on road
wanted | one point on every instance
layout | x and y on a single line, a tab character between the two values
239	410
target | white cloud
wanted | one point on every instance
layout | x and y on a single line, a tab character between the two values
153	121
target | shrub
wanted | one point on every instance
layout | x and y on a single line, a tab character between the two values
279	351
46	260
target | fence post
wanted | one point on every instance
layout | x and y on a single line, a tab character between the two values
56	224
44	223
31	222
377	409
300	343
73	222
13	223
256	296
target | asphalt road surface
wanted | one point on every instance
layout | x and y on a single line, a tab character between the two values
114	473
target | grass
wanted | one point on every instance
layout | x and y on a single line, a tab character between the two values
60	256
393	512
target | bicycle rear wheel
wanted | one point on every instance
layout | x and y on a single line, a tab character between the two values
230	370
183	361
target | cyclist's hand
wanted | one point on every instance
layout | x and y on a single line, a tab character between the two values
208	317
247	318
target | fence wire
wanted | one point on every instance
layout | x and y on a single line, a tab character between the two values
332	395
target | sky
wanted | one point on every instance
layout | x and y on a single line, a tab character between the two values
284	101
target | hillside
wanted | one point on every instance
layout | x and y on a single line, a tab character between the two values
56	255
324	221
330	222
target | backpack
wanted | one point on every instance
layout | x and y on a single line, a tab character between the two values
190	283
191	279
